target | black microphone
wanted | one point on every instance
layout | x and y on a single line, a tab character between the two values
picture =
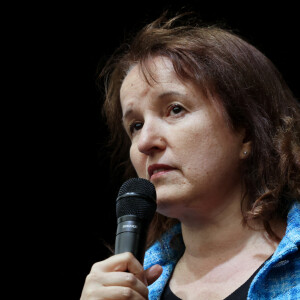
135	207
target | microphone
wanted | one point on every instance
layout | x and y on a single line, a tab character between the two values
135	207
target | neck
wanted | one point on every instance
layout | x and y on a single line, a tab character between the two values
209	235
217	241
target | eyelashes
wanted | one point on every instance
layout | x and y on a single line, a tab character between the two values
174	110
135	126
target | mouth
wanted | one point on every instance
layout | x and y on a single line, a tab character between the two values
158	169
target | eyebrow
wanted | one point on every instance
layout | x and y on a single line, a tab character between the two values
170	93
127	113
161	96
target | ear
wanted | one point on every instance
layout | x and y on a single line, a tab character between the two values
245	150
246	145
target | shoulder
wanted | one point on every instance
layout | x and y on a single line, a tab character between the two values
280	276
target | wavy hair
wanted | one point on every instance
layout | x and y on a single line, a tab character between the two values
249	87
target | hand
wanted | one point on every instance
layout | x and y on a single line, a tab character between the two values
119	277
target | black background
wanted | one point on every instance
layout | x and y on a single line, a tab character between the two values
65	172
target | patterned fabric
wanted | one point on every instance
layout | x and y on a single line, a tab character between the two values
165	253
278	279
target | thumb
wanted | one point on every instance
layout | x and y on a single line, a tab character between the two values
153	273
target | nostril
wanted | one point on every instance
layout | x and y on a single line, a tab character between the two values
150	145
151	138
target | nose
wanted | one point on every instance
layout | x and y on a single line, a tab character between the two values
151	138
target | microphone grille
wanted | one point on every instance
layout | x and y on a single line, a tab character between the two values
137	196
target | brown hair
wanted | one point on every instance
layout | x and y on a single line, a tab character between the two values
249	87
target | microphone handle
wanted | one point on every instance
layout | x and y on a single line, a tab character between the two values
131	236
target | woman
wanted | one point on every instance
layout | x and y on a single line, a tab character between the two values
209	121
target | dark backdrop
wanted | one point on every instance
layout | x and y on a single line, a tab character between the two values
73	195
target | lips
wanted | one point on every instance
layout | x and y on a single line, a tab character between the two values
158	169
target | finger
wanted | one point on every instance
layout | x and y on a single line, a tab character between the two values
153	273
112	293
121	262
124	279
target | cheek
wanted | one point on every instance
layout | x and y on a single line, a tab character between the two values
137	161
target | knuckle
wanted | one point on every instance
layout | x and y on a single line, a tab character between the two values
96	266
90	293
128	256
91	277
131	280
127	293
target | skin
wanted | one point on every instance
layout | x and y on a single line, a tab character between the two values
119	277
183	137
173	124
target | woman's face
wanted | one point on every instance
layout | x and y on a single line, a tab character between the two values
180	142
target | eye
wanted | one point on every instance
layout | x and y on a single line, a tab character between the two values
175	109
135	126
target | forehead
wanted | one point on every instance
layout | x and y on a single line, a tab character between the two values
157	71
161	79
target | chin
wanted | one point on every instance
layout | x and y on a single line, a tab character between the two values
168	207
